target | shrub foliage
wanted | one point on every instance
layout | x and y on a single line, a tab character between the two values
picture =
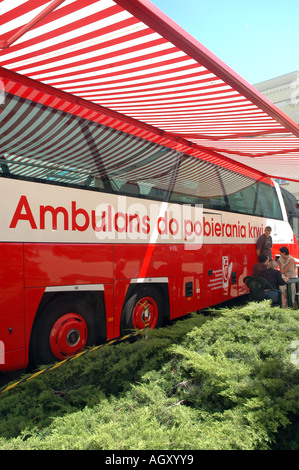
225	381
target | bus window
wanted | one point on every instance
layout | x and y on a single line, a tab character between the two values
267	202
40	143
258	199
243	201
291	206
201	182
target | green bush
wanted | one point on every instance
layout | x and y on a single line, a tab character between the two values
225	382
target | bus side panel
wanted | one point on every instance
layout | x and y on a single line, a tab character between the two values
133	262
181	265
33	298
67	264
109	309
225	267
188	286
62	265
140	261
234	263
12	306
213	278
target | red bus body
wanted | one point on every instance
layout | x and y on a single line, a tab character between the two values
83	263
191	276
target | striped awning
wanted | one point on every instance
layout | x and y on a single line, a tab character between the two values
38	141
127	57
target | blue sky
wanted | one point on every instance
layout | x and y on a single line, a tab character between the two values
258	39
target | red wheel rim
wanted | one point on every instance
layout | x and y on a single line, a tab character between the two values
145	313
68	335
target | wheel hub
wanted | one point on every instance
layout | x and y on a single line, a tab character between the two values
73	337
145	313
68	335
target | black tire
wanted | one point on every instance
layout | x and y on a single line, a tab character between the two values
144	308
70	319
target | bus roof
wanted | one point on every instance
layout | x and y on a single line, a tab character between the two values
127	61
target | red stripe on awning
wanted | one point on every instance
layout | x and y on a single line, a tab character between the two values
127	56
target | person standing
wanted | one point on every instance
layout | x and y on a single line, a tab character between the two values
264	244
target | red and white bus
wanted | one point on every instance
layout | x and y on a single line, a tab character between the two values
103	231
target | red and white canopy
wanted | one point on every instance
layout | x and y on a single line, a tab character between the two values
126	56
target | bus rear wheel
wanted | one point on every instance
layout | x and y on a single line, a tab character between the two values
65	327
145	308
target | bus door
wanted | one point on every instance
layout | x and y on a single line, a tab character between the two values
191	278
216	266
187	274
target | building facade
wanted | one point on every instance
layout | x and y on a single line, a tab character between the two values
283	91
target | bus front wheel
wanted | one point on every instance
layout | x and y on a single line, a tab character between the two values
145	308
65	327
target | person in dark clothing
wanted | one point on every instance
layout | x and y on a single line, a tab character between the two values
264	244
274	277
261	266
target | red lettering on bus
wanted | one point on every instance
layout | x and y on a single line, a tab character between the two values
146	222
75	213
122	225
163	221
54	212
97	227
23	205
